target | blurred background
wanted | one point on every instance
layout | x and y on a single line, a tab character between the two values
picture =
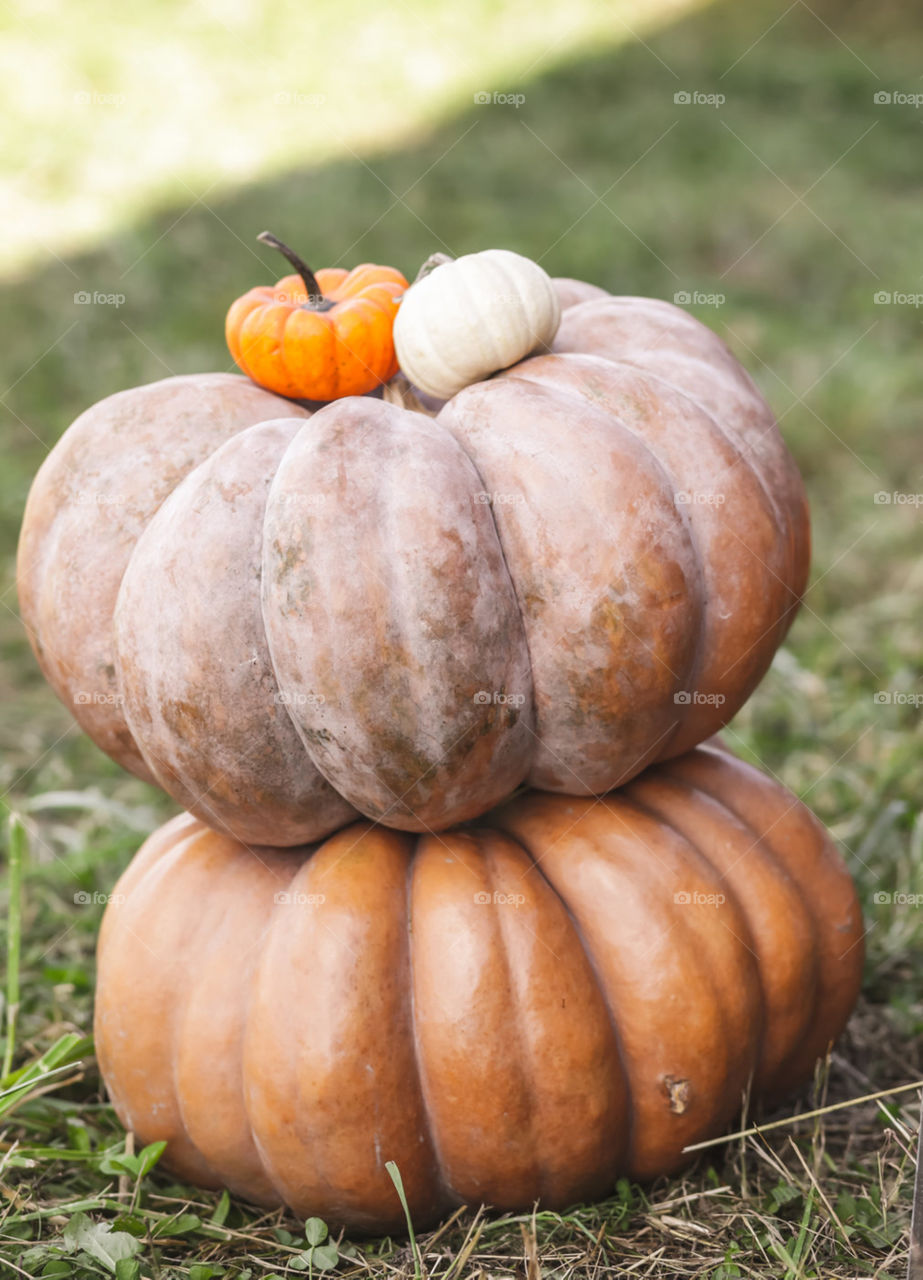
759	163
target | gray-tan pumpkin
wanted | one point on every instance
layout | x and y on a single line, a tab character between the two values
574	569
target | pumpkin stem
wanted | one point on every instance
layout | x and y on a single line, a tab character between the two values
432	262
316	299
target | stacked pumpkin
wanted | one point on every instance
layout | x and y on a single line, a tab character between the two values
430	667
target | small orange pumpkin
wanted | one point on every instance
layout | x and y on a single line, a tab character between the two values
317	337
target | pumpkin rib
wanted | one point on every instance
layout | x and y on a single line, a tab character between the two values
628	1118
430	628
814	865
134	446
704	528
779	510
676	812
569	690
438	1160
693	855
211	725
704	351
691	675
763	843
526	1067
203	1015
604	854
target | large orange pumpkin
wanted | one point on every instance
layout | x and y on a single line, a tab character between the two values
578	567
528	1008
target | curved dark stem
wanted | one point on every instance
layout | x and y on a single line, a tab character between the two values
312	288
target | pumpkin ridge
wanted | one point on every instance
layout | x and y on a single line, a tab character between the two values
645	464
745	455
777	462
818	875
501	269
448	1195
692	518
179	1017
694	855
527	1073
462	444
690	675
779	874
628	1117
764	844
645	1129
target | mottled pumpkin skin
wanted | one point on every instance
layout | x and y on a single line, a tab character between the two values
93	496
571	991
561	575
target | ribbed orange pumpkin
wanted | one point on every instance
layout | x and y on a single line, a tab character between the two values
523	1009
318	337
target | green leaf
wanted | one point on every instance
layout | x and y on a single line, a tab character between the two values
58	1267
179	1225
204	1271
325	1256
78	1138
149	1157
99	1241
219	1217
137	1166
315	1231
128	1269
130	1222
301	1262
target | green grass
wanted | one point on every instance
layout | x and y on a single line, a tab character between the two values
692	198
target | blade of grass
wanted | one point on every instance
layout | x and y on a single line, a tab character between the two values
13	938
395	1175
915	1262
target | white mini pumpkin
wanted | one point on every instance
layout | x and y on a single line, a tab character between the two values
468	317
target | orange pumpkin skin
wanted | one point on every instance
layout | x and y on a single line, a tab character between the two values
283	344
524	1009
